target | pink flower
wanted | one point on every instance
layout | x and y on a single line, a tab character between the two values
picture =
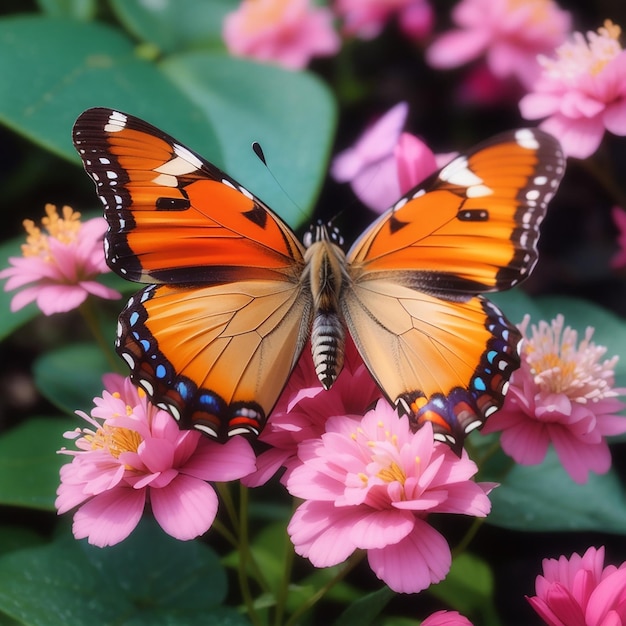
134	454
59	267
286	32
509	33
305	406
619	218
581	592
562	394
582	92
366	18
446	618
371	485
385	162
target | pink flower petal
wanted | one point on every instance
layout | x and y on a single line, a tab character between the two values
416	562
109	517
186	508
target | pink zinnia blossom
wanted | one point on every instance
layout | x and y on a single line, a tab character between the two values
582	92
286	32
619	218
508	33
366	18
59	267
446	618
580	591
562	394
371	484
134	454
384	163
305	406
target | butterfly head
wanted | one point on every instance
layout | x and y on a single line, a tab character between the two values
321	231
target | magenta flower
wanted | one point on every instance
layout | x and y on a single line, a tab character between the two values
366	18
59	268
509	34
581	591
582	92
446	618
619	218
134	454
384	163
305	406
562	394
286	32
371	485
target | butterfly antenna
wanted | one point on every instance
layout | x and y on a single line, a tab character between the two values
258	151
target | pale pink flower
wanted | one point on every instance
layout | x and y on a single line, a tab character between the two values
305	406
582	92
384	162
619	218
580	591
562	394
366	18
446	618
58	268
509	34
286	32
133	454
370	485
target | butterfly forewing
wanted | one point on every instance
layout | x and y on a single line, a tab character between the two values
473	226
164	203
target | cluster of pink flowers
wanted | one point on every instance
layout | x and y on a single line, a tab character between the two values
133	455
58	267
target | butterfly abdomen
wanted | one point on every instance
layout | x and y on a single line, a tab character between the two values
325	270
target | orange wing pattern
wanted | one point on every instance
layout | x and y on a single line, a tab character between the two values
416	272
164	203
473	226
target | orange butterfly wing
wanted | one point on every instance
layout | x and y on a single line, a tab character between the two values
437	349
164	203
214	343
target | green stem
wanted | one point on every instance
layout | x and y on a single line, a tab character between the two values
352	562
90	315
283	591
469	536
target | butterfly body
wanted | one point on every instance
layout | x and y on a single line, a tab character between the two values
234	296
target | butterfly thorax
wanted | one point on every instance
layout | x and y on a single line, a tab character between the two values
325	274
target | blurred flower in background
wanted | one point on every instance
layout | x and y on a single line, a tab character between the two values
59	263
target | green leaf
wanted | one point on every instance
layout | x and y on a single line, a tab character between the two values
71	376
29	463
150	579
78	9
366	609
175	25
17	538
544	498
291	114
53	69
469	589
10	321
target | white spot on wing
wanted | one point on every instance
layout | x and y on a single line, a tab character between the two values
187	155
457	172
117	121
176	166
526	139
166	180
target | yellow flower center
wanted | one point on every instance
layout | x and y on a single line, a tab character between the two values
64	229
114	440
392	473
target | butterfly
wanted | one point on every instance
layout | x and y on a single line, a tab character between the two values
233	296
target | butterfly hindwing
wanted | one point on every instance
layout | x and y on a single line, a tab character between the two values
216	357
163	203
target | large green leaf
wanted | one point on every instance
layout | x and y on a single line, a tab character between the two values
544	498
149	579
29	463
70	377
175	25
53	69
291	114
